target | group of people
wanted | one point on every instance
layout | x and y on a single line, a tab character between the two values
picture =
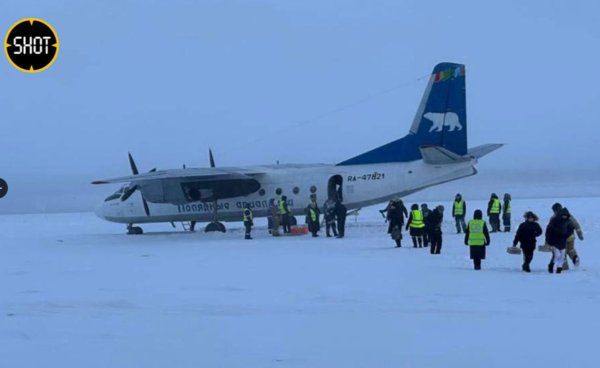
424	225
560	238
280	215
425	229
334	213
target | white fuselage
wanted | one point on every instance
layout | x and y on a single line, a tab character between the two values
363	185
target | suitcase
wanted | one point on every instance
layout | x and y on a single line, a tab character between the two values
513	250
298	230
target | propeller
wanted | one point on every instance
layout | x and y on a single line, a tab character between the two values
212	159
129	191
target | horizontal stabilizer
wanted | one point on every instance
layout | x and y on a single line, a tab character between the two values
436	155
483	150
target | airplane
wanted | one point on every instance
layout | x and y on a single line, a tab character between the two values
433	152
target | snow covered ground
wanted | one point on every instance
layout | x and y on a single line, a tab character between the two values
76	292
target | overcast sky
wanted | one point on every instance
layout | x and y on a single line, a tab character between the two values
167	79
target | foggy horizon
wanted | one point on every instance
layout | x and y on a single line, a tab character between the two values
265	81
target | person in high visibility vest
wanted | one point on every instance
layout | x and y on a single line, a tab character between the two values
459	209
416	225
506	210
477	238
284	211
312	218
248	222
493	212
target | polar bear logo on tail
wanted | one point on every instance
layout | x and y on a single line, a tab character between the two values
439	120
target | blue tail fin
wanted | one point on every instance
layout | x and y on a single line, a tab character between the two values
441	120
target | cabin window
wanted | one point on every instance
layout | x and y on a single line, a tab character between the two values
261	192
296	190
313	189
278	191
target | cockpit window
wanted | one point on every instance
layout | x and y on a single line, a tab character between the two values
117	194
112	197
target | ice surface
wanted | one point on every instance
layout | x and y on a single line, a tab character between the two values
77	292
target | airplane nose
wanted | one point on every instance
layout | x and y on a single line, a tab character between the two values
99	210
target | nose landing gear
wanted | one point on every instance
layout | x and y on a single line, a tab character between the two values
134	230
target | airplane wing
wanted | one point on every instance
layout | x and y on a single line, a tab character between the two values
191	174
181	186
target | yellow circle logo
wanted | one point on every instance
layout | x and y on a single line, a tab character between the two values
31	45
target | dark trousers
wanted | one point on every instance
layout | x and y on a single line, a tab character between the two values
331	225
341	225
436	242
285	223
506	222
527	256
248	226
495	222
460	223
477	264
426	238
313	226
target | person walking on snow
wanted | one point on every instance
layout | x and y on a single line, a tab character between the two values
340	213
329	214
395	219
526	234
416	225
558	231
433	227
459	209
477	237
426	212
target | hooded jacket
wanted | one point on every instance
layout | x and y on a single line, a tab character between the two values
527	234
560	229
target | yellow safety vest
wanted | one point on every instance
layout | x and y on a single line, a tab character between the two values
459	208
247	215
282	208
476	236
508	208
313	214
417	219
495	206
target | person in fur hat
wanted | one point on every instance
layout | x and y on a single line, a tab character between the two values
526	234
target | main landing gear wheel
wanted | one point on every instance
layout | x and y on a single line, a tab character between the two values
215	226
134	230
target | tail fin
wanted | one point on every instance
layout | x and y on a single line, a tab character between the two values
441	120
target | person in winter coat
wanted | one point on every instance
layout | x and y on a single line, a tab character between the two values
558	231
459	210
493	211
477	237
570	250
312	219
395	219
340	213
248	223
416	225
433	227
284	210
276	218
506	210
526	234
426	212
329	213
